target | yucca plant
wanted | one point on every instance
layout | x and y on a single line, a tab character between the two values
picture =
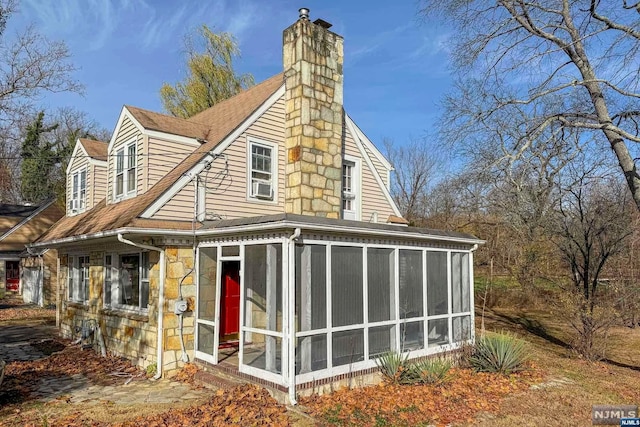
502	353
431	371
393	367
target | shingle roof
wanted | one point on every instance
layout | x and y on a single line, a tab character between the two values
169	124
221	119
19	211
95	149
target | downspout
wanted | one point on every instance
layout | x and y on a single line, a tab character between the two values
159	343
58	306
292	326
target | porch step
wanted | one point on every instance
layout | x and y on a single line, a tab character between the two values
218	380
223	378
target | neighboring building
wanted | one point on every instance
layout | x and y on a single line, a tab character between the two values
263	224
31	274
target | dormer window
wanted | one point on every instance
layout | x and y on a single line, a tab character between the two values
350	188
262	166
125	184
78	200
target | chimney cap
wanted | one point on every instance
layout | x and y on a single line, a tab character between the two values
304	13
322	23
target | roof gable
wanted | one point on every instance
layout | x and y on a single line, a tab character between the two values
222	119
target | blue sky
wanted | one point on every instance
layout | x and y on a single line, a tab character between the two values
395	63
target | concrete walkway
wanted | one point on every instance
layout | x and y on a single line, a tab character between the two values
15	346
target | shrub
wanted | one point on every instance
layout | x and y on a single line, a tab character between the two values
432	371
397	369
502	353
393	367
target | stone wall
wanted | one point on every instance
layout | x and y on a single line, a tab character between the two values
127	334
314	119
180	265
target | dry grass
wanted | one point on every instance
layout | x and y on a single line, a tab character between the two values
573	385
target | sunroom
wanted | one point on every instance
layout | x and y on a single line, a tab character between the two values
302	298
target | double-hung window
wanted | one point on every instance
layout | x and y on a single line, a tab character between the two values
125	179
262	165
350	180
78	278
77	203
126	281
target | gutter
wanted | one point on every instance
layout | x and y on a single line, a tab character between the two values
255	227
159	342
292	328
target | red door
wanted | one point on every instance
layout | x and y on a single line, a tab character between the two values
13	275
230	310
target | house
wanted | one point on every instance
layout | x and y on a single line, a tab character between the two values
30	273
263	225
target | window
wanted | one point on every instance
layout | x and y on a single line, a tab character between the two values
77	203
125	171
350	189
78	278
262	170
126	280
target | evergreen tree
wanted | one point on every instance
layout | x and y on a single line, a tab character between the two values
39	159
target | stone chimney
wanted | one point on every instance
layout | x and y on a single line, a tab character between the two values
314	118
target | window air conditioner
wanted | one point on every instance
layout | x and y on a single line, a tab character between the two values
262	190
73	205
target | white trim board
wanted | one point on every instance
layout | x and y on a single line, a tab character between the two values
367	159
208	158
370	145
124	113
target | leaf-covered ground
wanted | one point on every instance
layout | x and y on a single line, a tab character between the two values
13	309
246	405
457	401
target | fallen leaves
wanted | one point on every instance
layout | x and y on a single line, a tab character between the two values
23	378
13	309
246	405
459	400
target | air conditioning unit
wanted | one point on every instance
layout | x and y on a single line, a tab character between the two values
262	190
73	205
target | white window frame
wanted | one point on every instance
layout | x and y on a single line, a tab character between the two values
78	199
77	278
251	142
354	195
115	285
129	164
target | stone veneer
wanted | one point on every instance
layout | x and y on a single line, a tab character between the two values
130	334
314	119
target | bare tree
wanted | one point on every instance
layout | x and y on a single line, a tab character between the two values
30	66
416	170
591	225
547	66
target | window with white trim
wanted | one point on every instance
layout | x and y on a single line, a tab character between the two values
126	281
78	278
349	189
125	178
78	200
262	164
